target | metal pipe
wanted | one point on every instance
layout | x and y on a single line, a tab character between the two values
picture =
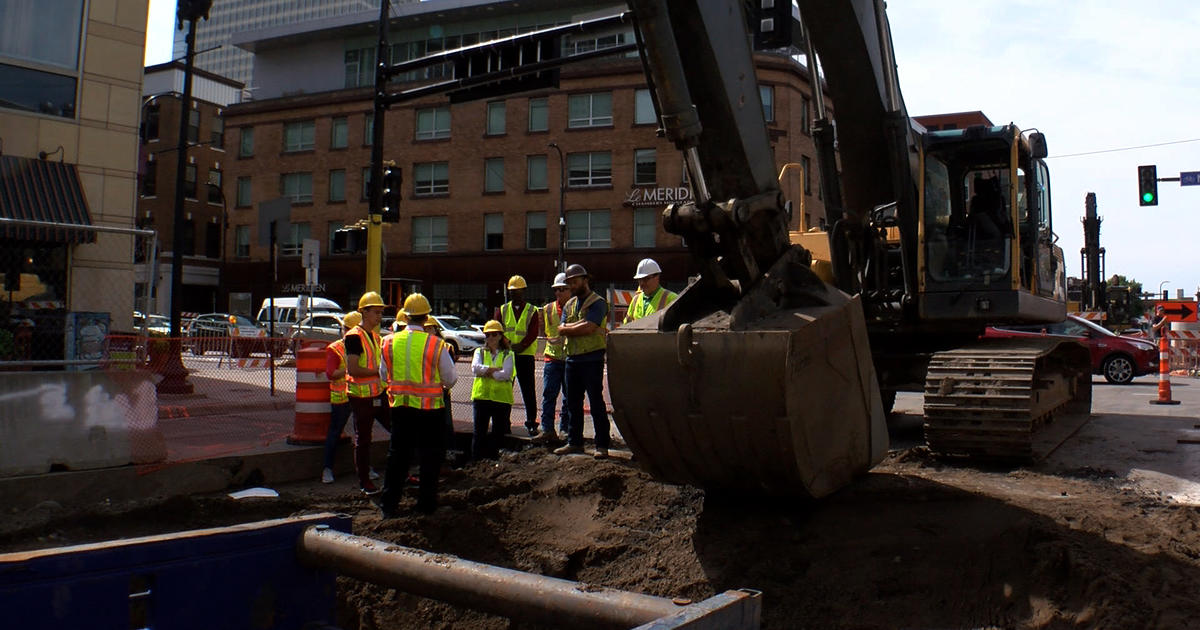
814	81
495	590
76	226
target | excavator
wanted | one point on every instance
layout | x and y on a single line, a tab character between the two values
774	371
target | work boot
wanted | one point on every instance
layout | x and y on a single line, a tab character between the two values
533	430
327	475
601	453
568	450
546	436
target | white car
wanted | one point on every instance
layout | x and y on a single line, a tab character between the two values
457	332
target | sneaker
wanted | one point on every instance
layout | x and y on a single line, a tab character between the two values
533	431
601	453
374	476
327	475
568	450
369	489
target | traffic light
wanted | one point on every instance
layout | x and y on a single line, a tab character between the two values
392	183
1148	185
350	240
771	21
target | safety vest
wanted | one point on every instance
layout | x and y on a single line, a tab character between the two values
551	314
643	305
414	375
337	388
488	388
516	327
366	386
587	343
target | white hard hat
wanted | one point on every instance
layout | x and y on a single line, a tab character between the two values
560	281
647	268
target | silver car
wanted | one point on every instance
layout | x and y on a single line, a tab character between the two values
461	336
321	327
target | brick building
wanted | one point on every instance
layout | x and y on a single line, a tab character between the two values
204	204
481	179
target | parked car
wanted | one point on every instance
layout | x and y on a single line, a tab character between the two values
154	325
326	327
224	332
457	332
1118	358
290	310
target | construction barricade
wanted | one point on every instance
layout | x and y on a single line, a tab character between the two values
1185	349
312	397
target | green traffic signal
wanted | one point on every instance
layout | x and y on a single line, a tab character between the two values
1148	184
1148	197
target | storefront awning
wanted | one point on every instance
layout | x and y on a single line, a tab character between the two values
43	191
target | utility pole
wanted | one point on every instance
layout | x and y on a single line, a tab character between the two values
562	209
374	281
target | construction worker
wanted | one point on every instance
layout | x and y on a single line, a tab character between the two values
339	400
419	369
492	391
554	367
522	322
650	297
585	317
364	386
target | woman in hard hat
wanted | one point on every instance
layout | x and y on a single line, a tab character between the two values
492	391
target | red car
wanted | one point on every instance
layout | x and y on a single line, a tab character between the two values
1117	357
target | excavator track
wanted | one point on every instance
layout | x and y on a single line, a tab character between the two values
1008	399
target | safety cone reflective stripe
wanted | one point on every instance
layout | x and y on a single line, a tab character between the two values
1164	373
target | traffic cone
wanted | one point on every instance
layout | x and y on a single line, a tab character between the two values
1164	373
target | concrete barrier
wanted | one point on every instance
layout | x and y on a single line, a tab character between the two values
77	421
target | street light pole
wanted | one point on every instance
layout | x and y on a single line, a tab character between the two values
562	211
1160	289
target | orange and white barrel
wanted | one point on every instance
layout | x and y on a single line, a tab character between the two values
1164	373
312	398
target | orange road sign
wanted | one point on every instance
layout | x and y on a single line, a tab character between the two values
1178	310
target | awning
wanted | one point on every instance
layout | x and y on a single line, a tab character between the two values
43	191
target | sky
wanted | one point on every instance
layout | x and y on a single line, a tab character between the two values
1112	84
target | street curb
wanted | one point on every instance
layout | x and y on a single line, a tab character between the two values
219	408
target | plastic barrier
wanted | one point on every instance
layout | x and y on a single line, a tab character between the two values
312	398
1164	373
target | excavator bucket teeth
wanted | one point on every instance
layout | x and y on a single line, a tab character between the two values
788	405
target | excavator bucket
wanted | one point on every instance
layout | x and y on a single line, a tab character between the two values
786	405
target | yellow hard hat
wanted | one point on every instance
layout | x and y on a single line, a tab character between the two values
516	282
416	304
352	319
370	298
493	326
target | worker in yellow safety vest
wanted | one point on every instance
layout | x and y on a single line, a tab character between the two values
651	297
522	323
584	325
339	399
418	368
491	392
364	385
554	366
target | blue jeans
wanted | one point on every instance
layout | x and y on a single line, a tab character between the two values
552	386
586	376
338	415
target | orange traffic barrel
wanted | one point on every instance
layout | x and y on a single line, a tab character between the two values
312	398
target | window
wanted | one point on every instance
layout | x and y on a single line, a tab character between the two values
429	234
643	108
535	230
246	146
193	130
495	118
539	114
217	133
296	186
150	179
493	231
645	220
645	167
493	175
369	129
431	178
767	94
189	181
588	229
433	123
243	192
215	194
212	240
535	167
299	136
589	110
589	169
241	241
293	242
150	125
334	226
805	118
39	55
337	185
189	238
588	43
360	67
339	133
366	182
806	166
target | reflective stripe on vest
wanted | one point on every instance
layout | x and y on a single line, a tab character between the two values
588	343
337	388
551	314
488	388
366	386
415	379
515	328
642	307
